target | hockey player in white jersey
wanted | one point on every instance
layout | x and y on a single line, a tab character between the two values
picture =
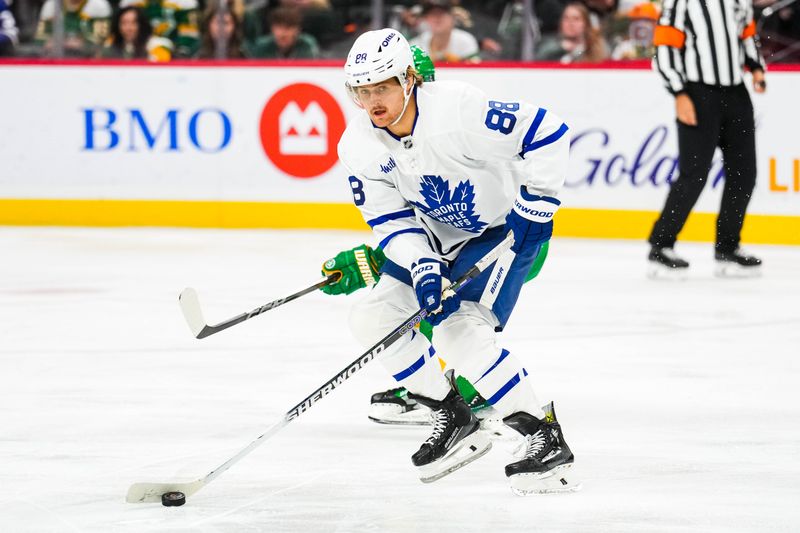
441	173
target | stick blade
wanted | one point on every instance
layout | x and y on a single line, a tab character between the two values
151	492
190	305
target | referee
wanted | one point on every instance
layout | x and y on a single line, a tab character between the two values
701	49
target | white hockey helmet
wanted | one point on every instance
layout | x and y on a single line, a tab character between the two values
377	56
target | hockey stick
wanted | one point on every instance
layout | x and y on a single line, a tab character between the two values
151	492
190	305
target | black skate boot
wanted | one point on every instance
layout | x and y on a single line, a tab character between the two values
664	263
395	407
737	264
455	441
548	459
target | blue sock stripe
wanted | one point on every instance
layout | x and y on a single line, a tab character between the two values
419	363
503	355
497	396
431	351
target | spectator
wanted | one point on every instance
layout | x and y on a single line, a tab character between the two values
231	28
86	25
175	20
577	41
319	20
9	34
443	41
286	41
601	12
131	38
639	42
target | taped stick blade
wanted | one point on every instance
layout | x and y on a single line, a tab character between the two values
190	305
151	492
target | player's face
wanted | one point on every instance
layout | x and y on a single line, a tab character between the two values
383	101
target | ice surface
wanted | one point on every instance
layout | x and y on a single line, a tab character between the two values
680	400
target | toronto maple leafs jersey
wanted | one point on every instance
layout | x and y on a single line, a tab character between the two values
458	172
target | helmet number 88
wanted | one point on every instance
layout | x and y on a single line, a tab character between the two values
501	116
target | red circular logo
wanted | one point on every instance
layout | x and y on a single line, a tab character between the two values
300	127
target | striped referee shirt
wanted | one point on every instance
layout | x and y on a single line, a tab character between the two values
705	41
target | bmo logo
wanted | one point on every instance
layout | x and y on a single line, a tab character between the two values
300	127
171	130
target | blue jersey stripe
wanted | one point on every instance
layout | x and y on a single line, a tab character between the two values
550	139
391	236
497	396
410	370
531	134
405	213
503	355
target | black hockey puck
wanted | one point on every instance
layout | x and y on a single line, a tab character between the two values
173	499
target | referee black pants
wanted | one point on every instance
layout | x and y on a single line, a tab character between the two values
724	119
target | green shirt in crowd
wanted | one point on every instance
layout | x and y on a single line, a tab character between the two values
266	48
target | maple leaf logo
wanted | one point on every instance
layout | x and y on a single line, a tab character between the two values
457	210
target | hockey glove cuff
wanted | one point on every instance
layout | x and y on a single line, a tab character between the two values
531	219
358	268
429	277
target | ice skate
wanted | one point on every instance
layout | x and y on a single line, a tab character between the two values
664	263
548	460
395	407
455	441
736	264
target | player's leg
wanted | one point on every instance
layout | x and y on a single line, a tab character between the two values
738	144
393	406
468	341
412	362
466	338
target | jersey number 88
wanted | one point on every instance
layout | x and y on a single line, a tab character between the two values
501	116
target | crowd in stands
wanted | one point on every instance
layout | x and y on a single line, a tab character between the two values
565	31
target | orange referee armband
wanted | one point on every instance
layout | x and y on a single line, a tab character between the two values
749	31
668	36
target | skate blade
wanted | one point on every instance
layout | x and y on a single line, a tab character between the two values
665	273
733	270
393	414
556	481
471	448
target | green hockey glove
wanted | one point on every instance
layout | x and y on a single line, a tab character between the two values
358	267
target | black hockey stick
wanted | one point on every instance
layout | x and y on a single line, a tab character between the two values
190	305
152	492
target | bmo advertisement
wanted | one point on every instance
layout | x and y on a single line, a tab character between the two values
250	134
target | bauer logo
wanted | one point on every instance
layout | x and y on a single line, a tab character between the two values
300	127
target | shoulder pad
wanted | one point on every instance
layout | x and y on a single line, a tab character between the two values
358	147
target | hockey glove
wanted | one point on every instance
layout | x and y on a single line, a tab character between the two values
358	268
428	277
531	219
